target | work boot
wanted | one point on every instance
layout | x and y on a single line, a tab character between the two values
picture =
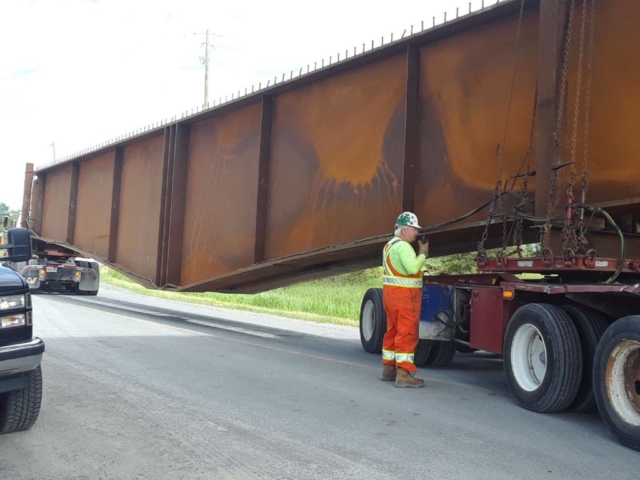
405	379
389	373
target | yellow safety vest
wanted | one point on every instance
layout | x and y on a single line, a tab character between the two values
392	277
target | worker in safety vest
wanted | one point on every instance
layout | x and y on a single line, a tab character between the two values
402	298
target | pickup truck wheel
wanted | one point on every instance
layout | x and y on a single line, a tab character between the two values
542	358
19	409
373	321
616	379
591	326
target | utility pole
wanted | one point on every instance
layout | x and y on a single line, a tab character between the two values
205	62
53	146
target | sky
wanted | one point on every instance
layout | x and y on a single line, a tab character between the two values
76	73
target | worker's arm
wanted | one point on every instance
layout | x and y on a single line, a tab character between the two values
411	263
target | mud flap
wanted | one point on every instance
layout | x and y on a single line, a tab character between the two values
32	276
89	281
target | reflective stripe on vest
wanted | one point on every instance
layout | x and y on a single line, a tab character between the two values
402	282
392	277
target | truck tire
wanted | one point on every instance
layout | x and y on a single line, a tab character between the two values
542	358
591	326
441	353
422	352
616	380
373	321
19	409
92	292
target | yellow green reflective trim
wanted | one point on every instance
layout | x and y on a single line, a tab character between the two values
404	357
402	282
388	355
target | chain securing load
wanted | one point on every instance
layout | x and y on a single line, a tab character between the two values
574	226
574	241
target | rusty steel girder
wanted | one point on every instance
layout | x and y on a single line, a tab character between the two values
305	178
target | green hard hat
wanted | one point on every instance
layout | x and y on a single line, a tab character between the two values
407	219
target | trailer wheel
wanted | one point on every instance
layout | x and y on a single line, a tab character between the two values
441	353
591	326
616	379
542	358
373	321
422	352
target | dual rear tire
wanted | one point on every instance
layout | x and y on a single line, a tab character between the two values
434	353
567	358
549	354
543	358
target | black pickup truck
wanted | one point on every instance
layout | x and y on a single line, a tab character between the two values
20	351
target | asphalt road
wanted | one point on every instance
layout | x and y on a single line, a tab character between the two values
144	388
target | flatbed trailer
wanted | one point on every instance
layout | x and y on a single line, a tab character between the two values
569	340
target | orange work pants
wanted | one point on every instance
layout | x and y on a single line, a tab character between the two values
402	306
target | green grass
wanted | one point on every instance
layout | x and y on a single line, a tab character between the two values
333	300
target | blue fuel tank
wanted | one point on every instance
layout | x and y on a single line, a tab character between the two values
436	314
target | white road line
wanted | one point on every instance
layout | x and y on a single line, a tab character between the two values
186	319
